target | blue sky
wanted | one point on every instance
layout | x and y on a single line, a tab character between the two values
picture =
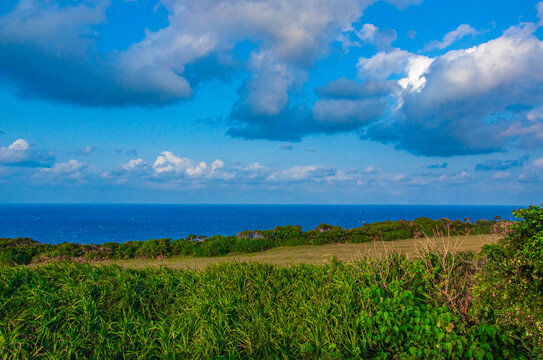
271	101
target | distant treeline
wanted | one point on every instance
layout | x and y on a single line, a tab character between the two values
26	250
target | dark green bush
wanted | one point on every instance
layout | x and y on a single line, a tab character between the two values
424	226
16	256
325	234
389	230
130	249
356	235
64	250
154	248
290	235
482	227
183	247
509	290
249	245
214	246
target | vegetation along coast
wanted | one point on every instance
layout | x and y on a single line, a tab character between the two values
440	302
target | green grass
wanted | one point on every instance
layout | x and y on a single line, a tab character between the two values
376	308
317	254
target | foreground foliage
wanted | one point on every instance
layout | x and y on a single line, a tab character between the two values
25	251
373	309
509	290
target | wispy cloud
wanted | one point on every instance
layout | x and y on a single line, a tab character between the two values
496	164
459	33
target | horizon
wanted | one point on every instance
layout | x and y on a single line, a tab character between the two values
345	102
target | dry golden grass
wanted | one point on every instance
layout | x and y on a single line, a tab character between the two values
315	254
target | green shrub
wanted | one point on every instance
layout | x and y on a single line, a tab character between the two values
388	230
183	247
424	226
130	249
154	248
290	235
64	250
509	290
214	246
249	245
398	234
16	256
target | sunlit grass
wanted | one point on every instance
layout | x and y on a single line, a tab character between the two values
318	254
373	308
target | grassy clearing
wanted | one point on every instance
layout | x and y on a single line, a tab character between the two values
318	254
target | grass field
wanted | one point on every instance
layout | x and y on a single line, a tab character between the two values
316	254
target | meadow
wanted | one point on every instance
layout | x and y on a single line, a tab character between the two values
22	251
440	304
316	254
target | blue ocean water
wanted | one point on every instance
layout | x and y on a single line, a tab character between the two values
86	223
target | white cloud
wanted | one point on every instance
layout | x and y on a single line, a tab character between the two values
539	7
267	91
87	150
57	28
291	35
371	170
69	167
402	4
174	169
135	164
171	166
501	175
19	145
301	173
538	162
341	114
70	170
458	178
507	64
416	67
20	153
396	62
55	35
340	176
460	32
167	162
394	177
447	100
383	64
380	38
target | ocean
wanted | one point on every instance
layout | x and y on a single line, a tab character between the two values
92	223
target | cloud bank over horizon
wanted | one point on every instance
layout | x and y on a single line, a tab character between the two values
171	172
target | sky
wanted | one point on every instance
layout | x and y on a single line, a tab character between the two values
271	101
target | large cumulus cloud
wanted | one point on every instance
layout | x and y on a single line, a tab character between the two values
477	100
52	49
